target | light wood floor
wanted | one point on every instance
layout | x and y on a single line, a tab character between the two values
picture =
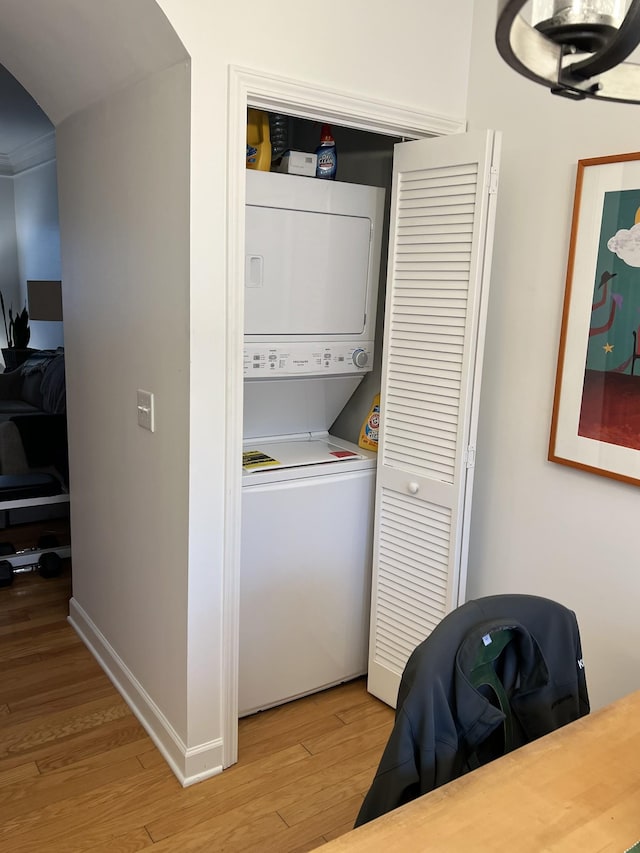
78	773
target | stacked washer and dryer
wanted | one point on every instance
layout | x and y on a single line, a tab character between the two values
311	282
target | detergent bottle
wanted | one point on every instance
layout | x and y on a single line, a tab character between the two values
369	433
327	155
258	140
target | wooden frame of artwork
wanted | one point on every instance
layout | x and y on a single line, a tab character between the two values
596	410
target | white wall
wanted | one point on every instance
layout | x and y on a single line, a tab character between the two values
400	54
124	215
9	275
539	527
38	234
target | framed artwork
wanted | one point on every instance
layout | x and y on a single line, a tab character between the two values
596	410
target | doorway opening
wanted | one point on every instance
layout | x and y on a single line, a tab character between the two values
34	470
363	130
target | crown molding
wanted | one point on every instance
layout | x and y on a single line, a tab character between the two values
34	153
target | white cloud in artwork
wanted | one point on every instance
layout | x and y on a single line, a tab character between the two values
626	245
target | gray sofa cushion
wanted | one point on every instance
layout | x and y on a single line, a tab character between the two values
8	408
31	389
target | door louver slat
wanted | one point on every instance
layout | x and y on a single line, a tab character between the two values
419	353
412	588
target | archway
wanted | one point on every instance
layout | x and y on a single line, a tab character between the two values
114	79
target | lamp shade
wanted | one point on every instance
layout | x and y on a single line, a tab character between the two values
584	24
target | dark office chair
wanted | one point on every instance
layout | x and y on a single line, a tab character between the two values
496	673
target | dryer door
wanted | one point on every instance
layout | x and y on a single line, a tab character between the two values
306	272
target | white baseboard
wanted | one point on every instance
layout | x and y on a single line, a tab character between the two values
190	764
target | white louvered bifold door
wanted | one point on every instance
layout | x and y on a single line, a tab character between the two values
442	214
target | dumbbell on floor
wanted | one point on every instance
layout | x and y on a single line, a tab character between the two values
49	564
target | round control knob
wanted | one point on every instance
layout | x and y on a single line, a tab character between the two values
413	488
360	358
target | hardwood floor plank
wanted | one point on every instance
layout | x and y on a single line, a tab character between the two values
108	736
19	685
52	747
25	738
12	617
130	842
296	734
229	834
80	775
281	784
151	758
65	697
336	815
369	707
245	829
46	616
337	831
239	784
21	773
313	803
30	591
381	720
26	660
87	764
28	642
277	721
77	823
52	788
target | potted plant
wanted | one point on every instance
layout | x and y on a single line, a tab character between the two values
18	334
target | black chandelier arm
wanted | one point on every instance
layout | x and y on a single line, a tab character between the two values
523	47
612	54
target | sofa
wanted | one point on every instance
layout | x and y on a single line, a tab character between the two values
33	422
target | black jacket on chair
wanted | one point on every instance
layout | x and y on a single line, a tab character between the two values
446	726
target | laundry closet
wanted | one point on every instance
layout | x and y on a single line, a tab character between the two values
322	518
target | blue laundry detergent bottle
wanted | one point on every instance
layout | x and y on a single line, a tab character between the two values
327	155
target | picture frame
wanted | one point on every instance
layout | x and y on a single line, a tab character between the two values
596	409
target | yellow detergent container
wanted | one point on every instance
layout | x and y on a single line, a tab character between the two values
369	433
258	140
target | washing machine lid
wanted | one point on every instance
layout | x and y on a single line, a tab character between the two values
269	454
294	405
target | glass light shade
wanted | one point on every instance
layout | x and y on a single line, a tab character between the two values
586	25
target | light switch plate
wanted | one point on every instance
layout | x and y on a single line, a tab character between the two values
145	410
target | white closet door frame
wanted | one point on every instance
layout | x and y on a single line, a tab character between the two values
249	87
441	233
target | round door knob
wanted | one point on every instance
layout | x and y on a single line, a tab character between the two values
413	488
360	358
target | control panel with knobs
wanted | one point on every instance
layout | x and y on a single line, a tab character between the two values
360	358
318	358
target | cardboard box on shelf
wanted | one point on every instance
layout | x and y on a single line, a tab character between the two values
298	163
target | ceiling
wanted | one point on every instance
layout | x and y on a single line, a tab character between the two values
23	122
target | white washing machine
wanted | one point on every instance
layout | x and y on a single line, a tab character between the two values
305	577
307	529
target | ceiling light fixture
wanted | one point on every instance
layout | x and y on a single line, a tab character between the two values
577	49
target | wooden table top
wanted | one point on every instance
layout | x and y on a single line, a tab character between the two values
576	789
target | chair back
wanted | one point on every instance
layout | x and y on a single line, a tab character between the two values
496	673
